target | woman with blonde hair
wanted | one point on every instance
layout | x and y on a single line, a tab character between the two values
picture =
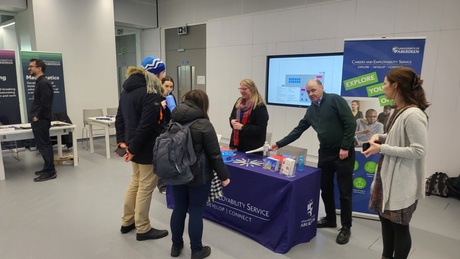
249	118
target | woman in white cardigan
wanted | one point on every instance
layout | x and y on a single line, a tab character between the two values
399	180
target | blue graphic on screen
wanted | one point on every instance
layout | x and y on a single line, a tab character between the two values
294	89
288	75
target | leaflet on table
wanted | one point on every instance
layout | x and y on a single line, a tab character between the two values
260	149
8	128
288	167
104	118
273	163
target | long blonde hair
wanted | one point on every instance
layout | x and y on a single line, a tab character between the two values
256	98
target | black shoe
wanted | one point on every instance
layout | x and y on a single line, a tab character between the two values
344	236
152	234
324	223
205	252
39	172
126	229
175	250
45	177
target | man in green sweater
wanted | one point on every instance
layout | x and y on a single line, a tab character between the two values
331	118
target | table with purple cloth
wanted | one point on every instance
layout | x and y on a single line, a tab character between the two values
274	210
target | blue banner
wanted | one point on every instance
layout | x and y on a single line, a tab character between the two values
9	100
54	73
366	63
363	175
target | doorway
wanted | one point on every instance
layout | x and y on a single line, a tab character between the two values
186	59
128	52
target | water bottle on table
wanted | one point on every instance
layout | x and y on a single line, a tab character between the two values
300	164
266	149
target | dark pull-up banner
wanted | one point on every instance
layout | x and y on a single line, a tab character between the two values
9	100
54	73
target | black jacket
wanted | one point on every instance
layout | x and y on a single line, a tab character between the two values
137	121
254	133
43	100
204	140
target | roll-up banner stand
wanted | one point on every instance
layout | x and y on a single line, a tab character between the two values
9	99
365	65
54	73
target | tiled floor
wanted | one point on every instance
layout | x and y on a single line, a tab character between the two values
78	214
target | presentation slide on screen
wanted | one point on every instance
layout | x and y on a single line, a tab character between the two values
287	77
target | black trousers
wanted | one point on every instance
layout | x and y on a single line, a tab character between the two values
330	163
41	131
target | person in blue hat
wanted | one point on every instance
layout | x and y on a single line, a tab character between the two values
155	66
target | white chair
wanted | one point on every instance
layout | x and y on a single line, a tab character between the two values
112	111
296	151
86	114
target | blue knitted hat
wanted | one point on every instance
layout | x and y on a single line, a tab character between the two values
153	65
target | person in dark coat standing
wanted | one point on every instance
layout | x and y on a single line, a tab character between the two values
335	126
249	118
137	126
192	197
41	114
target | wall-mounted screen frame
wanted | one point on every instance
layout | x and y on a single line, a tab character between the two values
287	75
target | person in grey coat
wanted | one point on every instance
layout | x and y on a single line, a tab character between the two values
400	178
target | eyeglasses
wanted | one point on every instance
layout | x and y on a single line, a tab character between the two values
242	89
32	66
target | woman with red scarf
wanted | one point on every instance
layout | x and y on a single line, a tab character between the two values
249	118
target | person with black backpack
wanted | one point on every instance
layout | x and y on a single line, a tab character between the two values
192	197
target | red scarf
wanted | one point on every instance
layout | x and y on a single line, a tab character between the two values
244	110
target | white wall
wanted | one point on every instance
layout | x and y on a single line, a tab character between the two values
237	46
151	43
84	32
145	14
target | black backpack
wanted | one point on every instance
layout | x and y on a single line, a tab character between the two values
437	184
454	187
173	154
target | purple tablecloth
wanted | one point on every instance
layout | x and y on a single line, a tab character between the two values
276	211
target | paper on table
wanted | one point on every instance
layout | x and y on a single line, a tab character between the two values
261	149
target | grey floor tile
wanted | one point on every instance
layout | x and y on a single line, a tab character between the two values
78	215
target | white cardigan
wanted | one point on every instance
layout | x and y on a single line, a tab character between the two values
403	167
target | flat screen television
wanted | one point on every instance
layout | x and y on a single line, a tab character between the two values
287	76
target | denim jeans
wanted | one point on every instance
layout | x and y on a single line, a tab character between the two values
192	200
41	131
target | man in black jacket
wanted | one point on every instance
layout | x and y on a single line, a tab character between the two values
41	114
137	127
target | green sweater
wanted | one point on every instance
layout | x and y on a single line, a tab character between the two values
332	120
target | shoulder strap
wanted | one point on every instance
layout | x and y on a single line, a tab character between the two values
394	117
